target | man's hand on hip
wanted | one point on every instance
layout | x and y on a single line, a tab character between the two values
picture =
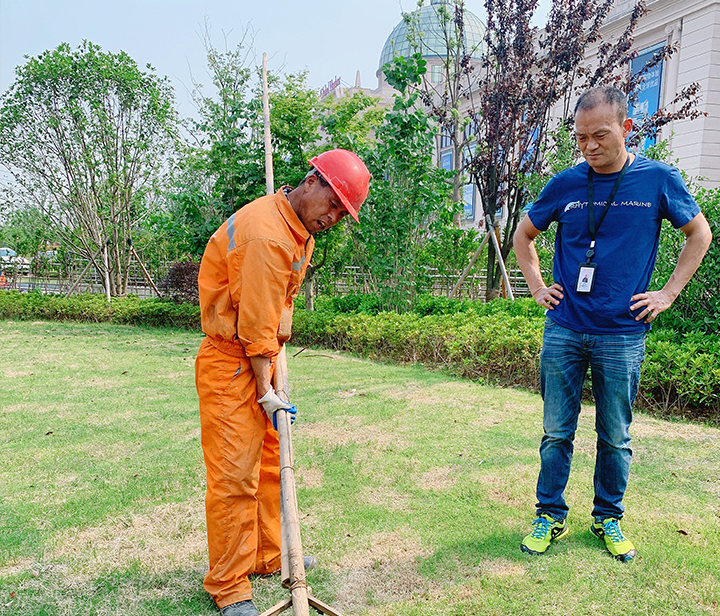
272	403
651	303
548	297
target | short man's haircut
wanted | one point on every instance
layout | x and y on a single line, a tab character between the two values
594	97
315	172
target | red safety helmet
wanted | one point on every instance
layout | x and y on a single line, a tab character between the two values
347	175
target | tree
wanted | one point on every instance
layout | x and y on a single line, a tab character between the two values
294	125
510	102
409	196
222	167
697	308
350	123
85	136
445	96
25	229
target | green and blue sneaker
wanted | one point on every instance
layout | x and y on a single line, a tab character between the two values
545	530
609	531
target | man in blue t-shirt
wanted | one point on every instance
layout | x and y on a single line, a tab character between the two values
609	210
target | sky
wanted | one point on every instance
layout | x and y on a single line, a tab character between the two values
329	38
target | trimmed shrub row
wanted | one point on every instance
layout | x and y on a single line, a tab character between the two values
94	308
681	373
497	348
498	342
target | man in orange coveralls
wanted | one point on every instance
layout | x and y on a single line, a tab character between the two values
251	271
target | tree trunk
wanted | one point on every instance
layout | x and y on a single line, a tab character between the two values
494	275
458	196
310	288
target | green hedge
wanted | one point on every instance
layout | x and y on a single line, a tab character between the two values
88	307
498	348
498	342
681	373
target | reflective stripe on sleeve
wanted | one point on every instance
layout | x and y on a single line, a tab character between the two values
297	265
231	231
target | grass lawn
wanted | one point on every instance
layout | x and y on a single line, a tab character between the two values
415	490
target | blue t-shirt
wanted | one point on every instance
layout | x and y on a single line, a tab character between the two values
625	245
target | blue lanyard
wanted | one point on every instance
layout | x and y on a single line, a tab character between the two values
591	205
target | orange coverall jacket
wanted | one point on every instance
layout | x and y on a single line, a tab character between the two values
251	271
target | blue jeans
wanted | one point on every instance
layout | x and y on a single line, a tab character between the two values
614	361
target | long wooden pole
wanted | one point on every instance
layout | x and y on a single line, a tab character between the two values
288	497
282	384
269	178
292	565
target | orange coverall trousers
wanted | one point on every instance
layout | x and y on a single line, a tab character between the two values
242	457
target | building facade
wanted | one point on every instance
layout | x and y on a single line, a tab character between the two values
692	26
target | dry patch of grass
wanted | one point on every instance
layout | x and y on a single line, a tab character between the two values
649	427
167	547
351	430
39	409
171	536
416	394
501	479
501	488
309	477
440	478
500	567
385	570
383	496
13	374
499	496
176	375
451	396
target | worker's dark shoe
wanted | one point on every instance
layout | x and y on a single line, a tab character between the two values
617	544
310	562
545	530
243	608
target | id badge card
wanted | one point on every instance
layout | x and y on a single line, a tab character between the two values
586	278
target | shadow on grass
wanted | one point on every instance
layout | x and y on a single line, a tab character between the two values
500	551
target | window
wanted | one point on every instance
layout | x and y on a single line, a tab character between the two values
649	92
436	75
445	139
446	160
469	202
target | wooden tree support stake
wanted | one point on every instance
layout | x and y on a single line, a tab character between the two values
107	281
87	267
492	233
292	567
496	242
458	284
147	274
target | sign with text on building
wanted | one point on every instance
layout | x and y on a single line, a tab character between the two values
329	87
649	91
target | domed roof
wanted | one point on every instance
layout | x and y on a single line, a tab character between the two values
432	39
